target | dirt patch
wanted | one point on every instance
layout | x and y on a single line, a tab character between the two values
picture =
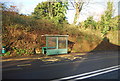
66	57
105	45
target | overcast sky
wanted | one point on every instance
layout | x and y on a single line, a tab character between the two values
94	8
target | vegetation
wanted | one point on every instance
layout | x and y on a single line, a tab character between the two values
21	34
105	18
107	22
90	23
54	11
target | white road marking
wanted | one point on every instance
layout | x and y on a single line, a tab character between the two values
86	74
9	69
24	65
84	77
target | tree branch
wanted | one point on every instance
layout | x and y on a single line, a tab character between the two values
72	3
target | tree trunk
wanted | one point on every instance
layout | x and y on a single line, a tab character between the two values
76	16
78	7
50	10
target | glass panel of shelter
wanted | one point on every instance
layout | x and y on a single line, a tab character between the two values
61	42
51	42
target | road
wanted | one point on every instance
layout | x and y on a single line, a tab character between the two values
110	75
97	65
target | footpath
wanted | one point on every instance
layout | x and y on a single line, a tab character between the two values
52	58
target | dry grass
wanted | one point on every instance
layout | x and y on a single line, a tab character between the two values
114	37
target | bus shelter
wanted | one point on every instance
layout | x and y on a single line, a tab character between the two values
55	44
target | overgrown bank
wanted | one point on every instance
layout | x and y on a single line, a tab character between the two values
22	35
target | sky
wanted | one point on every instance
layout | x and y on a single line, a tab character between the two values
95	8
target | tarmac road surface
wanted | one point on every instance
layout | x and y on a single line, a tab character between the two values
95	65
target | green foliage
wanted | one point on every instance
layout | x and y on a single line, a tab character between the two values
21	52
51	10
7	53
105	18
90	23
106	24
1	55
114	23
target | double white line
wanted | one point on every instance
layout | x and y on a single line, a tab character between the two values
89	74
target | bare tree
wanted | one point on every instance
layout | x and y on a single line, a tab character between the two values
78	6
